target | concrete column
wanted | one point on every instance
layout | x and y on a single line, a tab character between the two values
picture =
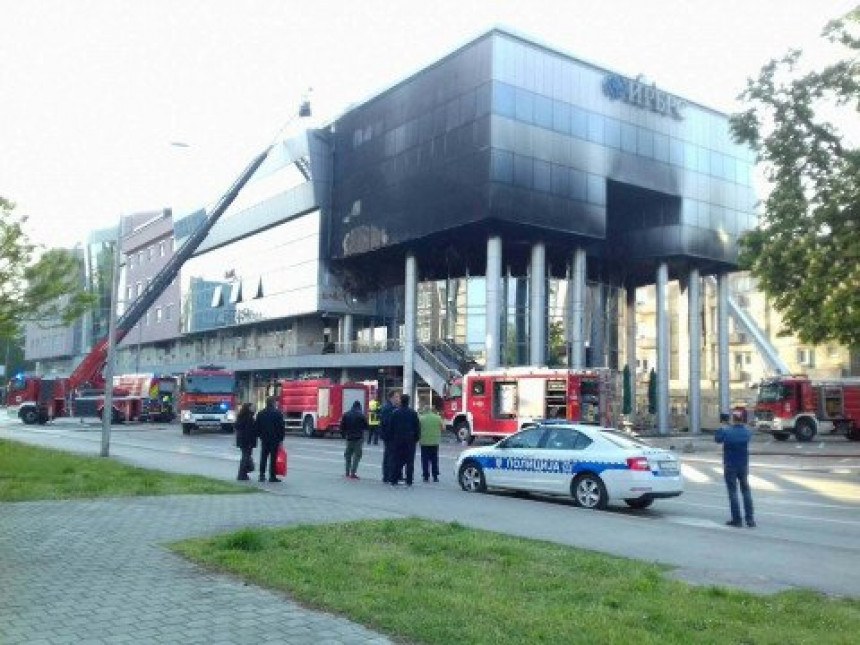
723	340
410	302
537	306
346	322
598	325
694	396
631	342
577	313
662	350
494	300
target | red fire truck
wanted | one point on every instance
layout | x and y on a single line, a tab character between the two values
797	405
208	399
38	399
315	406
500	402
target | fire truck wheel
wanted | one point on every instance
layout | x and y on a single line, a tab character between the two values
308	427
589	492
780	436
29	416
186	428
471	478
464	432
804	430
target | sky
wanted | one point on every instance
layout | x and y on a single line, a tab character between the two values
110	107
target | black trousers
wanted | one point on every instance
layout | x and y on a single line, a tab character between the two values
404	461
388	459
268	453
373	433
429	462
245	461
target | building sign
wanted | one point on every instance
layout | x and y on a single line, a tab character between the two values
648	97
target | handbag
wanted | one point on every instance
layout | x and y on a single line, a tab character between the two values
281	462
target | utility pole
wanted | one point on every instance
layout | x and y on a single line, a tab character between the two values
107	410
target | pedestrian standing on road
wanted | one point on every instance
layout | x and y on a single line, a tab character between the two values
431	437
390	406
271	429
736	439
373	422
404	430
353	424
246	439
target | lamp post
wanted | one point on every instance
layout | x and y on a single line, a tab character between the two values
107	410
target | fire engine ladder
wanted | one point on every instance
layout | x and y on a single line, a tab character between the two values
765	349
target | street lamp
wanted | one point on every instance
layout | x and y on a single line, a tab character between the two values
107	410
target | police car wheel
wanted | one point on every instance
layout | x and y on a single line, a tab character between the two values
639	502
471	478
589	492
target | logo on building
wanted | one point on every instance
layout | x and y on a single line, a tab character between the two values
640	94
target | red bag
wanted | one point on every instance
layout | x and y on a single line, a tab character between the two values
281	462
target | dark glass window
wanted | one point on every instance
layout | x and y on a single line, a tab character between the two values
525	106
578	122
596	190
577	185
543	111
560	180
503	166
483	99
468	106
504	100
528	438
595	128
523	171
612	132
542	175
561	117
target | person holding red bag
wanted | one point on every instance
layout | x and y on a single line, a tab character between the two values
271	429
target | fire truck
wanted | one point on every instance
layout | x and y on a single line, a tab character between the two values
137	397
797	405
38	399
500	402
208	399
315	406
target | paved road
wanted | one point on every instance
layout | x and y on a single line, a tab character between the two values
809	520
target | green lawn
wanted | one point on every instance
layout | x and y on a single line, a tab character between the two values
30	473
430	582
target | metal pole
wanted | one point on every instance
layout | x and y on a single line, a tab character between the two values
631	344
409	326
694	402
662	350
598	323
723	340
107	410
537	329
493	294
577	316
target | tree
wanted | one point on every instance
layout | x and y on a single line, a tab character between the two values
35	287
805	252
627	391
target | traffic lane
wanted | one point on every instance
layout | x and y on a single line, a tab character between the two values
695	544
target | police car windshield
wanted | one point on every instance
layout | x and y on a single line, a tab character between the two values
622	440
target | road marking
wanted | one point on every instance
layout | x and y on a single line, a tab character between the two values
694	475
843	491
774	514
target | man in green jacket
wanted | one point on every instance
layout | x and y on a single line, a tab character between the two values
431	436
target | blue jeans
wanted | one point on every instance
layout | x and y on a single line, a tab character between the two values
739	477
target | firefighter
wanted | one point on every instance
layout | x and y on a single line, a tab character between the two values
373	422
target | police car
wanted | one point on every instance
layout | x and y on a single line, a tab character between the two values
594	465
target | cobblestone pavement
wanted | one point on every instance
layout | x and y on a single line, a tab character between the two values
98	571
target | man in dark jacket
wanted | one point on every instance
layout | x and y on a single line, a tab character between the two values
390	406
271	429
404	430
735	439
352	425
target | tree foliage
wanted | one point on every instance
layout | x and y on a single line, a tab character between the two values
38	287
805	252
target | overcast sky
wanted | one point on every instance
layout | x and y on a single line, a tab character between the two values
93	92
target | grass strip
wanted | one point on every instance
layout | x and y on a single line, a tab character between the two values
431	582
32	473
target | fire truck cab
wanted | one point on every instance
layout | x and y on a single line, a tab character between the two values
35	399
208	399
797	405
497	403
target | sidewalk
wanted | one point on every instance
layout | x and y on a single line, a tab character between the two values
97	571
